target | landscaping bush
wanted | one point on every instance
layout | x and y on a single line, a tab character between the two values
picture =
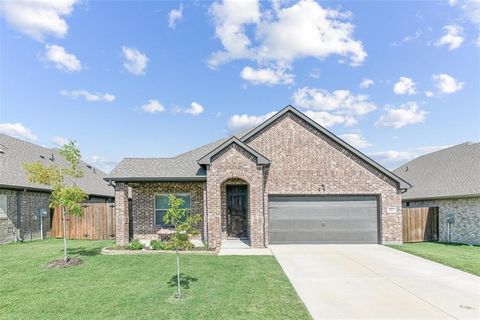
159	245
135	245
183	243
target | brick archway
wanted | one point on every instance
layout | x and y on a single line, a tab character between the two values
234	163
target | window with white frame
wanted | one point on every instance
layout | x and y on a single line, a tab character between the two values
161	206
3	205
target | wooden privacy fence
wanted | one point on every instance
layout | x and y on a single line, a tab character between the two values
420	224
97	222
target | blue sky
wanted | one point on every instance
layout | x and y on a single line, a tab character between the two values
154	79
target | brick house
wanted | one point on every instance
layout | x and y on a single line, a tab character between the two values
289	180
22	201
450	180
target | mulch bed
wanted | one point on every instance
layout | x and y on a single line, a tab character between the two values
111	251
59	263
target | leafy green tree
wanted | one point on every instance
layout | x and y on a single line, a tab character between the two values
66	195
185	224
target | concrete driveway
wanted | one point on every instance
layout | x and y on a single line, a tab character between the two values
377	282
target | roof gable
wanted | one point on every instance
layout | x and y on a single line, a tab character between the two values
207	159
402	183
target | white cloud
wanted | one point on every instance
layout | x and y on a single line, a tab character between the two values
446	83
339	101
453	37
404	86
471	9
366	83
327	119
38	18
195	109
153	106
394	158
405	114
230	18
174	16
477	41
17	130
59	141
101	163
135	61
315	73
89	96
241	122
429	94
62	59
283	35
451	3
356	140
266	76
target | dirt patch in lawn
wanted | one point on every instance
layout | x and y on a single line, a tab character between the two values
59	263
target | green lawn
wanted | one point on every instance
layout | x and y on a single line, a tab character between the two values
459	256
139	287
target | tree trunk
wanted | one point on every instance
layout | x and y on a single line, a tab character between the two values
179	294
65	257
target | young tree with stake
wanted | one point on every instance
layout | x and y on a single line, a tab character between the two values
185	224
66	196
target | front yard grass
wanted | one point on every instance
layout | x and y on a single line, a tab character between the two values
459	256
140	286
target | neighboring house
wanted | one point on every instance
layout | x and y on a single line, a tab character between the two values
21	200
450	180
289	180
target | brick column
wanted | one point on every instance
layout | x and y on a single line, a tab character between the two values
121	213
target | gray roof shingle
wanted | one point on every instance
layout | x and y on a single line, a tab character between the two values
183	166
186	167
14	153
451	172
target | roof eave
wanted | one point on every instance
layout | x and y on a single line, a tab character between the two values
207	159
441	197
156	179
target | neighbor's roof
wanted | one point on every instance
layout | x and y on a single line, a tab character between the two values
188	166
453	172
14	153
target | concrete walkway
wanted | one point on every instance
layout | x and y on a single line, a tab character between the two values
237	247
377	282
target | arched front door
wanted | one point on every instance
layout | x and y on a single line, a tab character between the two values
237	211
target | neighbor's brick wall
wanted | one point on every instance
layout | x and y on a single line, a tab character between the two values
303	159
30	204
234	162
143	204
466	227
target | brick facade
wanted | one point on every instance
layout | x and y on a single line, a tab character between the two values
234	162
23	220
466	225
121	214
143	204
303	161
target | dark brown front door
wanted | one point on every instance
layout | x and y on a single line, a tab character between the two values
237	211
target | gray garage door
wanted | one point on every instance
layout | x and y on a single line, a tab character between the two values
320	219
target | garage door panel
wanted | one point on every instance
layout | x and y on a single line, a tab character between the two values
317	219
320	224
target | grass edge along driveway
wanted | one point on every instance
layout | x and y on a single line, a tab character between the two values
459	256
140	286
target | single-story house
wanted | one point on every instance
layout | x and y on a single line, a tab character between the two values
289	180
450	180
22	201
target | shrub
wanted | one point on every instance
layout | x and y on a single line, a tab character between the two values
183	242
158	245
135	245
